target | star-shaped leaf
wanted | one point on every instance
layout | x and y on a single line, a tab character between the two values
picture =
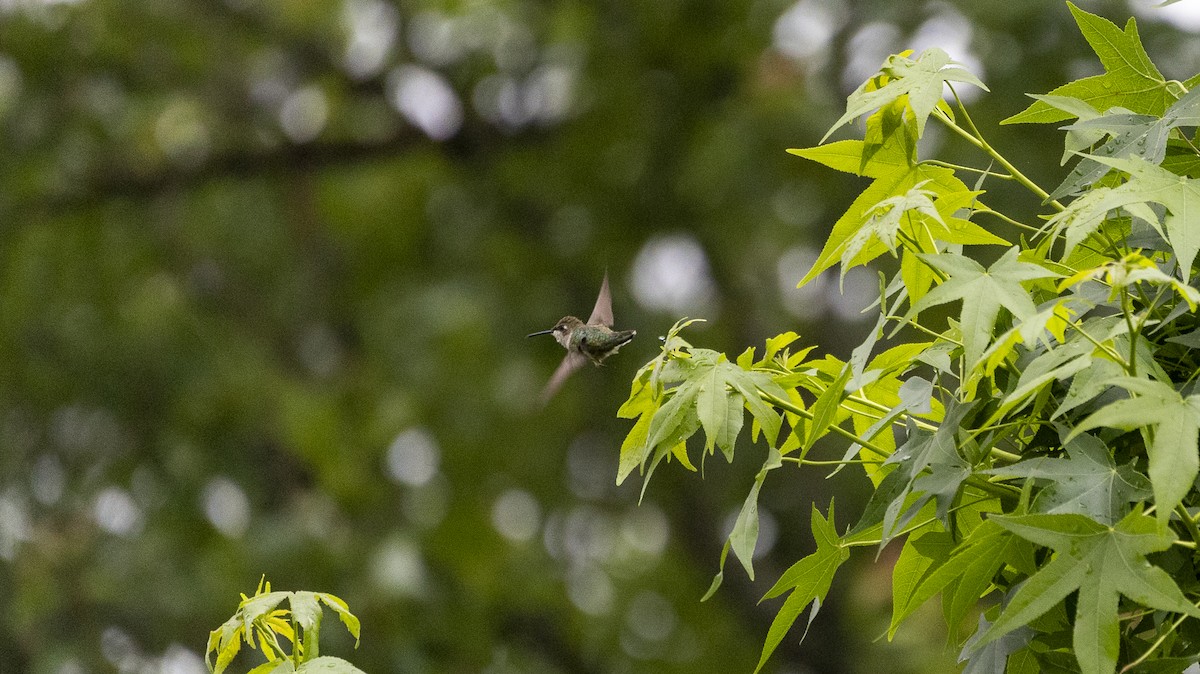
920	80
1130	270
1086	214
982	292
1101	563
808	580
1130	79
885	218
895	173
1086	482
1131	135
1151	183
1173	422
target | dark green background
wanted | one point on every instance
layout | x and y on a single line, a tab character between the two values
238	337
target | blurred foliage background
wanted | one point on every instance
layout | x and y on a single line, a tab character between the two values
265	271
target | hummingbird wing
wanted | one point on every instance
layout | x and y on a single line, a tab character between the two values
602	312
573	361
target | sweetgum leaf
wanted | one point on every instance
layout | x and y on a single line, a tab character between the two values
1100	562
1175	422
807	580
1130	79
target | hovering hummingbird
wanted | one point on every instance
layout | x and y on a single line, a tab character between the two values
594	340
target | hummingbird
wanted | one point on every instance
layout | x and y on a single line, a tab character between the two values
594	340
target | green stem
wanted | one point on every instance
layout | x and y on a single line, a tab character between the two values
994	489
1188	523
1005	218
1126	310
880	407
794	409
979	142
923	329
1106	349
1157	642
813	462
968	169
912	527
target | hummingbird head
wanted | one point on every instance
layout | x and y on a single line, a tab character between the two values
562	330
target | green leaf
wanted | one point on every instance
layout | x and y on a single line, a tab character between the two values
905	491
328	665
1054	364
847	156
1089	213
635	449
1181	197
1077	139
720	577
274	667
1099	561
923	550
1174	422
884	220
920	80
778	343
1087	482
993	658
1130	80
825	409
1087	384
1131	135
307	612
343	613
808	580
674	415
982	293
225	642
259	606
744	537
720	412
971	566
894	175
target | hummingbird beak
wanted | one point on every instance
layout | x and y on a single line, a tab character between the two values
539	332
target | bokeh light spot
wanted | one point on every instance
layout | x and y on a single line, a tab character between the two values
804	30
590	589
115	512
426	100
646	529
398	569
516	515
226	506
859	289
303	114
373	26
14	523
413	457
181	132
651	616
808	301
671	274
48	480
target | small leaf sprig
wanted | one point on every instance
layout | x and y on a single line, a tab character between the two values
260	619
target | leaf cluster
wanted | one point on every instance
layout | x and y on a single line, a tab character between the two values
1028	413
259	619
